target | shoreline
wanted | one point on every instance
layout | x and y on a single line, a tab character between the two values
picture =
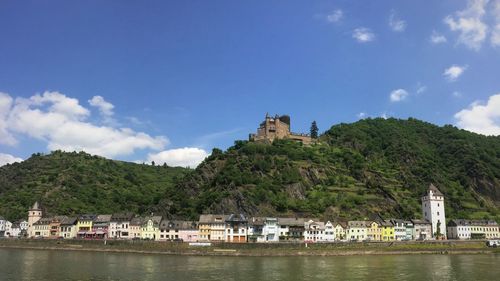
255	250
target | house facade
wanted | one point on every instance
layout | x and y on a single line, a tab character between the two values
150	229
374	231
422	229
314	231
292	229
119	226
67	228
399	229
358	230
263	229
100	226
177	230
212	227
236	227
387	230
133	230
473	229
84	226
41	228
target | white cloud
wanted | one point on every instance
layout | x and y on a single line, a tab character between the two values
61	122
335	16
384	115
457	94
495	34
398	95
481	118
5	105
396	24
469	24
363	35
105	108
180	157
453	72
361	115
8	159
437	38
421	88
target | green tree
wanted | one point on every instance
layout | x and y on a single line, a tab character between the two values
314	130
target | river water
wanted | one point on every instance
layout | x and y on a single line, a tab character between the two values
16	264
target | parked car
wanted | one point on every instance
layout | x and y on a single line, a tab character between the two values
493	243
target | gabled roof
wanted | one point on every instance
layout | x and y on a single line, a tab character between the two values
121	217
137	221
86	217
464	222
155	219
179	225
294	221
69	221
237	218
386	223
43	221
213	218
416	221
343	224
435	190
102	219
359	223
256	221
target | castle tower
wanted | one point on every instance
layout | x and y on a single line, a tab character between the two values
433	210
34	215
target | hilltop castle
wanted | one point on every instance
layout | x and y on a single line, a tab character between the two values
278	127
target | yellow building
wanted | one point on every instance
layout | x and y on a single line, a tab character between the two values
151	228
212	227
339	230
84	226
387	230
374	232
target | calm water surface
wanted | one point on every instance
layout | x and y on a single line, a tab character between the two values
66	265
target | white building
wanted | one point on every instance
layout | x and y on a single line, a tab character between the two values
263	229
399	229
314	231
3	226
67	228
433	211
235	230
329	232
473	229
119	226
357	230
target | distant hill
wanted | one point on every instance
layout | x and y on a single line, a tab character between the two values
72	183
371	167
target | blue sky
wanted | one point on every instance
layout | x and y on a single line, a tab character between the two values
185	76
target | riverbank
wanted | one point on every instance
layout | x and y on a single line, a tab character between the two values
257	249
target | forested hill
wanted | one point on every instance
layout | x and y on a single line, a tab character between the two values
76	183
371	167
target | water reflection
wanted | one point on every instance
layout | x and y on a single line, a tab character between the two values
61	265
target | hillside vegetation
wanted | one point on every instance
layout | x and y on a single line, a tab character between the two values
355	171
371	167
75	183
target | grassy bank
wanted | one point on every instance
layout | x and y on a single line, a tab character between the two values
251	249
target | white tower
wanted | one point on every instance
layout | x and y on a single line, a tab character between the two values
433	210
34	214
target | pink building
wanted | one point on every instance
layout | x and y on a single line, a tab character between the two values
174	230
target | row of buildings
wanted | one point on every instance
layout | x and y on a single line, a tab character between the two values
237	228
